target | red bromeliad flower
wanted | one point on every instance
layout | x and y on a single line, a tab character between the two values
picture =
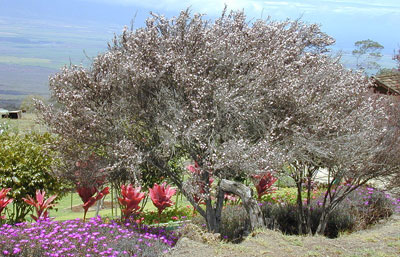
130	199
87	193
161	196
4	200
40	204
264	184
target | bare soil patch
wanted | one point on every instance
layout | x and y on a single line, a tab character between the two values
79	207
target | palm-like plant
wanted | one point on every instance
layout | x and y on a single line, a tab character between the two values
264	184
41	205
130	199
87	196
4	200
161	196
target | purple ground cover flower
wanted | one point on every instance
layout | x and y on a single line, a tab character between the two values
96	237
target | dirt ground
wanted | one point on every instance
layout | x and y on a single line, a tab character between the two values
79	208
381	240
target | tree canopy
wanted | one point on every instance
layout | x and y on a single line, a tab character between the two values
233	96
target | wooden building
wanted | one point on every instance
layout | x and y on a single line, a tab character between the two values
4	113
388	84
15	114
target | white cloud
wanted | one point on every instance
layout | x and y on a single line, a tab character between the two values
255	7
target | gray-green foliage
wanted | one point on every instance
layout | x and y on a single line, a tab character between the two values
26	165
28	103
367	53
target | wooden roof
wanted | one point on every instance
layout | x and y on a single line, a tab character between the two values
390	82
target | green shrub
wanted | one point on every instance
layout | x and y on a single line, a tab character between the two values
338	221
363	207
25	166
284	218
368	205
235	223
168	215
285	181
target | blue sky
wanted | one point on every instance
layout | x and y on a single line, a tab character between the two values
54	32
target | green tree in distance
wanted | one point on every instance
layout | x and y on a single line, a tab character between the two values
367	53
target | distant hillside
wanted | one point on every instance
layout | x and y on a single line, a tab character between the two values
19	81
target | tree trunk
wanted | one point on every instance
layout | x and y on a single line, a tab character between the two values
300	214
250	204
213	214
322	222
99	206
308	210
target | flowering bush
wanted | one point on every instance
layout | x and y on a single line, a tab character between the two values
368	205
96	237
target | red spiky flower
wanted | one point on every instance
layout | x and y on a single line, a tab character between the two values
41	205
130	199
4	200
264	184
161	196
87	196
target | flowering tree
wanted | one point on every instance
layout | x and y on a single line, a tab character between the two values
234	97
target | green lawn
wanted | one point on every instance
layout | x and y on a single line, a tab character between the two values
70	207
65	212
26	124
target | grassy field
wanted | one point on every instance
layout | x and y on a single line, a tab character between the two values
70	207
27	123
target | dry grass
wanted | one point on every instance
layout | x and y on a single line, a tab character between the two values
380	240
